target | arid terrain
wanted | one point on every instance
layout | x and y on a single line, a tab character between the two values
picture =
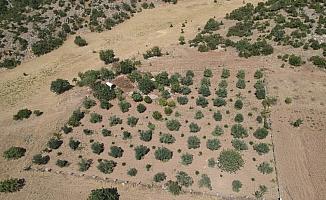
298	155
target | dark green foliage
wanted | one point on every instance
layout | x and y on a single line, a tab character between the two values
193	142
146	135
173	187
9	63
182	100
159	177
74	144
88	131
14	153
205	181
62	163
116	152
54	143
239	145
124	106
23	114
97	147
127	66
84	165
155	51
80	41
199	115
45	46
318	61
208	73
173	125
261	148
243	13
141	108
137	97
238	118
140	152
194	128
168	111
163	154
238	104
106	166
265	168
157	115
148	100
95	118
257	48
114	120
104	194
11	185
126	135
163	78
238	131
59	86
295	60
213	144
241	29
217	131
146	85
186	159
182	40
258	74
261	192
230	161
75	118
218	102
236	185
108	56
222	92
261	133
212	25
88	103
297	123
241	84
201	101
184	179
211	162
132	172
167	138
37	113
106	132
204	90
132	121
225	73
40	160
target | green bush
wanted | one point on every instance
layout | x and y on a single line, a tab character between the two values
239	145
265	168
225	73
140	152
74	144
241	84
222	92
193	142
104	194
318	61
14	153
157	115
132	121
213	144
106	132
230	161
137	96
261	133
108	56
173	187
238	104
182	100
212	25
219	102
80	41
167	138
295	60
59	86
106	166
159	177
201	101
62	163
146	135
40	160
211	162
236	185
116	152
114	120
261	148
238	131
217	131
194	128
258	74
75	118
37	113
95	118
168	111
54	143
182	40
23	114
154	51
66	129
132	172
297	122
163	154
146	85
261	192
173	125
205	181
186	159
84	165
141	108
217	116
97	147
148	100
124	106
88	103
11	185
238	118
184	179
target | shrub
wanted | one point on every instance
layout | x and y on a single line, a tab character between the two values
23	114
108	56
148	100
194	128
165	94
114	120
295	60
238	118
236	185
261	148
141	108
184	179
154	51
88	132
62	163
168	111
183	100
199	115
104	194
11	185
288	100
238	131
173	187
124	106
37	113
230	161
106	166
201	101
66	129
261	133
59	86
217	116
241	84
157	115
297	123
88	103
239	144
137	97
217	131
187	80
205	181
225	73
73	144
140	152
146	85
238	104
163	154
132	172
40	160
106	132
95	118
318	61
84	165
222	92
182	40
116	152
167	138
265	168
80	41
54	143
213	144
75	118
261	192
159	177
132	121
173	125
258	74
193	142
97	147
14	153
219	102
146	135
186	159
